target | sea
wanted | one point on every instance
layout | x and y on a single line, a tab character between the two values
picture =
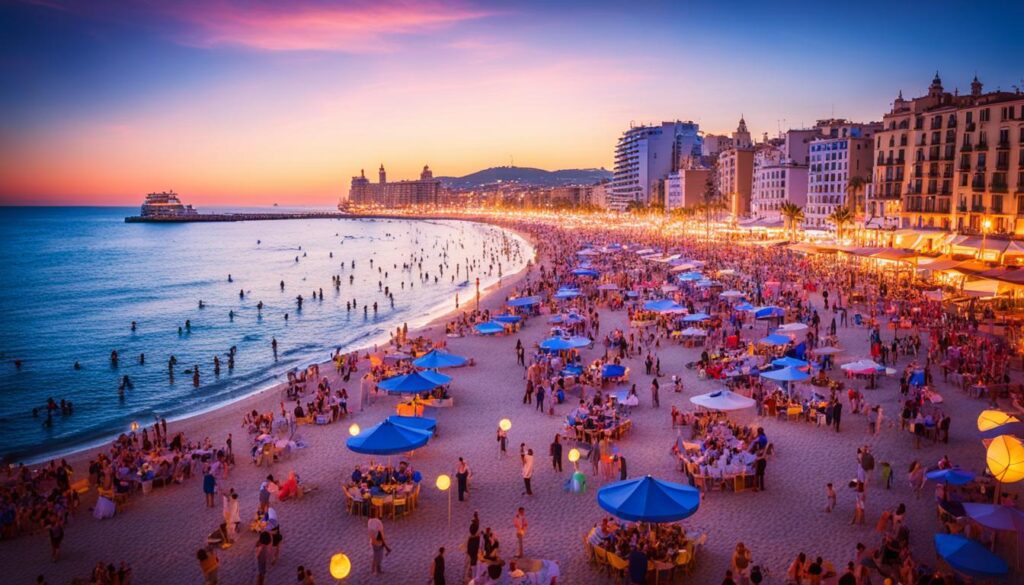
73	279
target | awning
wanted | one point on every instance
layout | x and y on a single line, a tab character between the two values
895	254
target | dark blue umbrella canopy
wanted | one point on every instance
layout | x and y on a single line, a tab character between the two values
970	557
420	423
387	438
585	272
664	306
524	301
437	358
647	499
508	319
786	374
613	371
952	476
414	382
489	328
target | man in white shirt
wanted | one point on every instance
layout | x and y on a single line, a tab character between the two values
520	524
528	471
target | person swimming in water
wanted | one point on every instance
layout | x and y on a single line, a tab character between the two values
230	279
133	326
77	365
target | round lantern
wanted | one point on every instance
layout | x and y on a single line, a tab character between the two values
340	566
574	455
443	482
990	419
505	424
353	430
1005	459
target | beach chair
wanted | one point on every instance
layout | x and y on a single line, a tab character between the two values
397	503
601	557
81	487
618	566
377	507
588	549
660	567
683	562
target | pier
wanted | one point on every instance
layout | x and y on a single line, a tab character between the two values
223	217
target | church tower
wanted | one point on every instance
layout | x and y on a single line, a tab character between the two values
382	174
741	137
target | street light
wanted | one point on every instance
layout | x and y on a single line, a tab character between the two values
574	456
444	483
353	430
505	424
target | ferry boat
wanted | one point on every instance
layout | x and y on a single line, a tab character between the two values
166	204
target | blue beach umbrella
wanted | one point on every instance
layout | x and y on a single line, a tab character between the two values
768	312
524	301
508	318
786	374
775	339
489	328
744	307
696	317
647	499
995	516
415	382
969	557
436	359
613	371
586	272
567	293
664	306
420	423
953	476
387	438
787	361
690	276
564	343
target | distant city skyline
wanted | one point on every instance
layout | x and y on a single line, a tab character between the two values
253	103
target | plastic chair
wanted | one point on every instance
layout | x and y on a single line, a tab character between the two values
660	567
683	561
618	565
376	507
397	503
588	549
600	556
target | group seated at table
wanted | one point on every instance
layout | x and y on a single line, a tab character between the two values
667	547
597	418
721	453
378	490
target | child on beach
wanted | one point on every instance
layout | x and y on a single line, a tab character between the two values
830	495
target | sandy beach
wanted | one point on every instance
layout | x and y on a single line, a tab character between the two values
158	533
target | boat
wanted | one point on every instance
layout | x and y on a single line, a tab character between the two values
166	204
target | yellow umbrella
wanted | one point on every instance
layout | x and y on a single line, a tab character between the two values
1006	459
990	419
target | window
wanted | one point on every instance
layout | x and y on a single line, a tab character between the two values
985	115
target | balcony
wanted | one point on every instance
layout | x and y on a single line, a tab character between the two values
962	208
1002	165
965	147
1003	145
971	127
965	167
978	185
981	146
999	187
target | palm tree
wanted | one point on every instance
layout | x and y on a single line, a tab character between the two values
840	217
854	188
794	215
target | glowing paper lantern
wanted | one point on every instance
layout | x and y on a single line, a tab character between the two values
340	566
505	424
990	419
443	482
135	426
353	430
574	455
1005	459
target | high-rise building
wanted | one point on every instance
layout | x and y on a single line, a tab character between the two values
842	154
645	155
780	173
425	191
955	162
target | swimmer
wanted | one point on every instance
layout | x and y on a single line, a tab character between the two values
241	293
113	358
77	365
230	279
133	326
282	285
231	315
142	359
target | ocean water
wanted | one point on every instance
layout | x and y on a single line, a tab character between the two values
73	280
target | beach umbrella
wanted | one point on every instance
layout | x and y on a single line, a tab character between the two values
567	293
608	286
969	557
744	307
827	350
1005	458
1010	428
564	343
995	517
990	419
489	328
588	252
421	423
792	328
769	312
664	306
723	400
775	339
952	476
437	359
524	301
613	371
690	277
696	317
693	332
706	283
669	288
586	272
786	374
864	366
387	438
507	318
647	499
418	381
726	272
731	294
787	361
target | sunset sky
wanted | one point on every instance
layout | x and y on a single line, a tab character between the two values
258	102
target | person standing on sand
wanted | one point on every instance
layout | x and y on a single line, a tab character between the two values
208	564
56	530
437	568
528	471
520	524
229	499
473	548
502	442
462	477
209	485
262	552
378	545
556	454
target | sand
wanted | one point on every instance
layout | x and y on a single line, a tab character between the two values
160	532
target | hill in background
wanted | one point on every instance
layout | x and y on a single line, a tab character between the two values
527	176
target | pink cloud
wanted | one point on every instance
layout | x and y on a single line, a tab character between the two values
349	27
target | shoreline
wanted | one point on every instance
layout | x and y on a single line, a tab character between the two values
213	415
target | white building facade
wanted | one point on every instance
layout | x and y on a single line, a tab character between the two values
645	156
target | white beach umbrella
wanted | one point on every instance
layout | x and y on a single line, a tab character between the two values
792	328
